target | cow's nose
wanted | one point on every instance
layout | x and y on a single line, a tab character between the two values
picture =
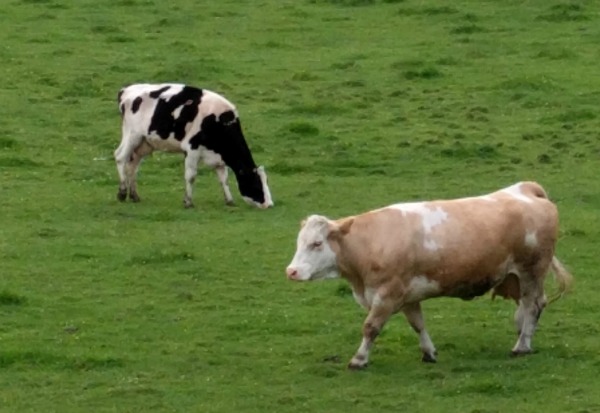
292	273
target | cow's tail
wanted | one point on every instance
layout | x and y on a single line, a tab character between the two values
562	277
120	101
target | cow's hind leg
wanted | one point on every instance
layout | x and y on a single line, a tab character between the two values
123	155
414	315
222	174
192	157
531	305
381	310
132	168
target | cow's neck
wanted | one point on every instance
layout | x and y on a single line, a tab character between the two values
349	266
242	171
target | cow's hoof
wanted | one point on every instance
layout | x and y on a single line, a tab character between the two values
357	364
188	205
134	197
230	203
429	358
520	353
122	195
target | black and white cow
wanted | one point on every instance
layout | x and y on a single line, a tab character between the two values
197	122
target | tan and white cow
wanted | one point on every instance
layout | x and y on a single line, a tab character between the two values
398	256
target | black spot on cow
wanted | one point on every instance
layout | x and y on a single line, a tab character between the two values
120	94
135	106
156	93
122	108
227	118
223	135
164	123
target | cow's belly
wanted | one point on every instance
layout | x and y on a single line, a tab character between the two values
165	145
211	158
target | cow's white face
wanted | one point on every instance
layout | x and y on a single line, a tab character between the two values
314	258
265	186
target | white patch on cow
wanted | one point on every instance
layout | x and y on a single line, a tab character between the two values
369	298
360	299
420	288
210	158
314	259
431	245
434	218
265	186
531	239
515	192
177	112
174	89
369	295
372	297
431	217
488	198
414	207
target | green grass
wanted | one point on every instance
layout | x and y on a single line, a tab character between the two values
350	105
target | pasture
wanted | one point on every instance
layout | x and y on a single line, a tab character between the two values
350	105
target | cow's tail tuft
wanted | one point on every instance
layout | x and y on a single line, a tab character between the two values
562	277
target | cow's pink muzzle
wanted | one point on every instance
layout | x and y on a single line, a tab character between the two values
292	273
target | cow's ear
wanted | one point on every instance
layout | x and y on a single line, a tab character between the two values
302	223
343	227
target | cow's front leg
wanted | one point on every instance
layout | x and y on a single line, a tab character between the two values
191	170
222	174
381	311
414	315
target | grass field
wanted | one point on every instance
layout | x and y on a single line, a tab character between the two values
350	105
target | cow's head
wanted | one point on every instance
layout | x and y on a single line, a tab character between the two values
254	188
315	258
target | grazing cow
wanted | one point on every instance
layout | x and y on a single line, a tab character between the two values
199	123
398	256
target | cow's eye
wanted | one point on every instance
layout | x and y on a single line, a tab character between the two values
316	244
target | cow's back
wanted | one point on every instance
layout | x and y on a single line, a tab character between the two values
170	113
463	245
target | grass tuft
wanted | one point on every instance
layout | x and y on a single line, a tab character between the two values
467	29
7	143
566	12
162	257
351	3
426	73
350	105
18	162
8	298
303	128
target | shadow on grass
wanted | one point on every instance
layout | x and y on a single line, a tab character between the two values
40	359
161	257
9	298
565	12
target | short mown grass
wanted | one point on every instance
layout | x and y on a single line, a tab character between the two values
350	105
